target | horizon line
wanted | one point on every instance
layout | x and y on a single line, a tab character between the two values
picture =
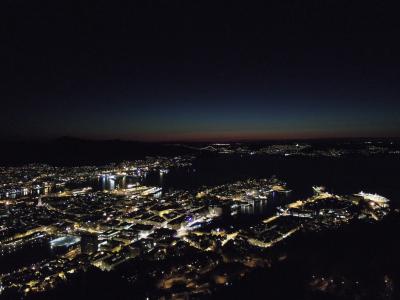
174	141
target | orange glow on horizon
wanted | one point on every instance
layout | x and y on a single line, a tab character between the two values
236	136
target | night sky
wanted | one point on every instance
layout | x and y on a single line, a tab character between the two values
198	70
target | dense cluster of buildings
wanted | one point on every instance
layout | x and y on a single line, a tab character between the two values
194	236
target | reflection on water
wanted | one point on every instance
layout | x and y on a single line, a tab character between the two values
107	182
112	182
263	207
21	192
192	181
254	207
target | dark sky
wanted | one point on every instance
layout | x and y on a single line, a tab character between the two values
199	70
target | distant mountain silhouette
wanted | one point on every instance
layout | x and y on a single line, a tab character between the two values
68	150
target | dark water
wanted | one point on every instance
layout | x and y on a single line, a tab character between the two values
341	176
370	249
115	182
